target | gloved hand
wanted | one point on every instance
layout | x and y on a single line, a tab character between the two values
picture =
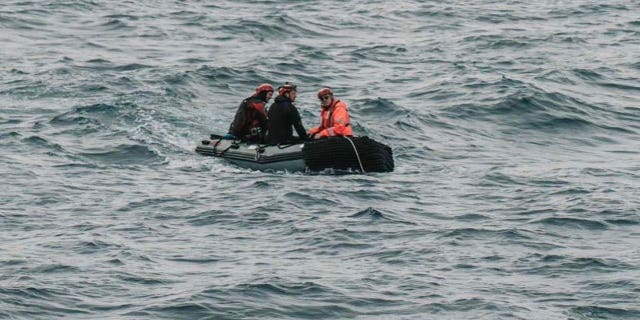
229	136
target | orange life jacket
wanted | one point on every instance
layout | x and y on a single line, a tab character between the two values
334	121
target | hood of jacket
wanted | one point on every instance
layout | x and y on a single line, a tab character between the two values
283	99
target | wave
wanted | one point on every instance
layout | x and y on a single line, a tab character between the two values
238	77
192	18
72	5
116	25
568	222
536	110
105	112
42	143
402	123
8	122
31	302
620	86
10	134
211	217
310	52
54	268
600	312
604	7
378	108
72	119
125	155
498	18
478	233
584	10
247	300
25	24
623	222
396	54
376	215
106	65
132	279
495	42
561	264
98	127
278	26
590	74
122	17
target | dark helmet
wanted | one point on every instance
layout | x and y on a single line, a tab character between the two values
323	92
287	87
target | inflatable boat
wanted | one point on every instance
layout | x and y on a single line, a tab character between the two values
334	154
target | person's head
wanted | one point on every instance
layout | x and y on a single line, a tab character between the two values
326	97
264	92
288	90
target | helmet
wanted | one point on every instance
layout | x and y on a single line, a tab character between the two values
324	91
287	87
265	87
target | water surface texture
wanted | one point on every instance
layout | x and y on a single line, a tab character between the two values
516	136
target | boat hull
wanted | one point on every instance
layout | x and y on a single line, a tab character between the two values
335	154
255	156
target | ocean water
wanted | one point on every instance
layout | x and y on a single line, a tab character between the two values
515	128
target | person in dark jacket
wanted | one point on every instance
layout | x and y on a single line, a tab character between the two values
250	121
282	115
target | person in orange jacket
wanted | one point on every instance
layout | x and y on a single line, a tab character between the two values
334	117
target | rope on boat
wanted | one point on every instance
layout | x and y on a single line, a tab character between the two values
357	154
225	150
336	153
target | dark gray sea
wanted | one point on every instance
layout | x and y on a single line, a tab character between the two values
515	129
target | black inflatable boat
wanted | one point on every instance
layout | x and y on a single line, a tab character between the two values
337	154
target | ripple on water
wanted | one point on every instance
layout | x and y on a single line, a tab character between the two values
569	222
125	155
376	216
602	312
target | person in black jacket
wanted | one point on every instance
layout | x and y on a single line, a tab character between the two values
250	122
282	116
